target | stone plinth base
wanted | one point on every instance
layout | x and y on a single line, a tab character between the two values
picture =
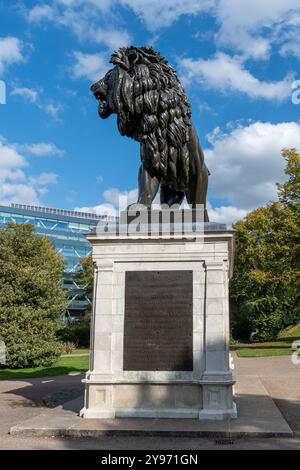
145	401
198	386
159	401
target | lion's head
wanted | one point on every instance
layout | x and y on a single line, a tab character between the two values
142	89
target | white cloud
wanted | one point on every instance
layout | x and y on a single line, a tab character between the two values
226	73
157	13
15	184
40	12
289	38
43	149
113	38
11	163
91	66
251	26
102	5
115	201
86	27
119	198
18	193
291	47
225	214
26	93
100	209
10	52
245	163
44	179
53	109
83	18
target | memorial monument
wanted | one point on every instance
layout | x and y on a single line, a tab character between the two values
160	323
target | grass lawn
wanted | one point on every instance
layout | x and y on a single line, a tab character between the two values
82	351
293	333
79	351
281	347
64	366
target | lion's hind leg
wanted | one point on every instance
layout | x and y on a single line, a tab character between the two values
196	194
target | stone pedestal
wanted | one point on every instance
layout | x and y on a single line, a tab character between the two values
200	386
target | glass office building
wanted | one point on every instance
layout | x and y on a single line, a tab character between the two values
66	230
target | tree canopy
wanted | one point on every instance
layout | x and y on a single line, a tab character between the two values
289	192
85	275
265	289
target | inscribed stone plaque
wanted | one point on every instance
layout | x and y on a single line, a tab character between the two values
158	326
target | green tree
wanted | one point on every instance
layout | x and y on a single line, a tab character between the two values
265	289
289	192
80	334
85	275
84	278
31	297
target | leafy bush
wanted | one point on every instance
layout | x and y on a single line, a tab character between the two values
266	317
82	335
31	297
65	334
241	325
77	334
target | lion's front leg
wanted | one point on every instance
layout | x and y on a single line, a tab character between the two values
148	187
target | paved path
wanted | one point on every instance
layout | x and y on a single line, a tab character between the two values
22	399
281	379
19	400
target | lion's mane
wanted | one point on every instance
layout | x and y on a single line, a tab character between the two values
153	109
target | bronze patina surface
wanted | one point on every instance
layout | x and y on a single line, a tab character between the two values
143	90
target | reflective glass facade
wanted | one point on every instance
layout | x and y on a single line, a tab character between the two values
66	230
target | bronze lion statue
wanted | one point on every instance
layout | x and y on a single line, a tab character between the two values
142	89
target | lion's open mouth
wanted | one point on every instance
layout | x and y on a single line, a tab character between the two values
99	90
100	96
104	108
103	105
102	102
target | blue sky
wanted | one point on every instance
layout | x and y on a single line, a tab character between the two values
237	60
